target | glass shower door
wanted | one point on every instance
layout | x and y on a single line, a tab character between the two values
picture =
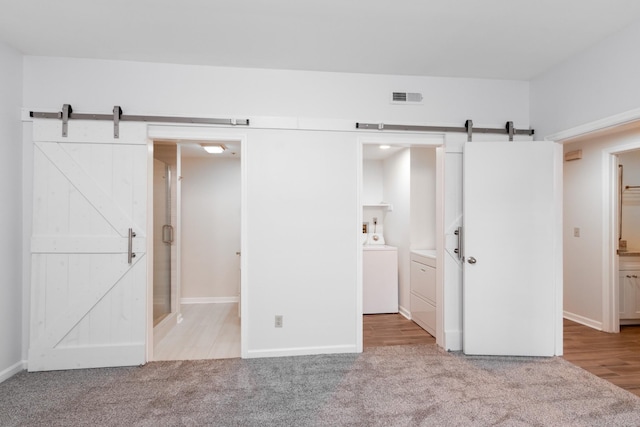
162	231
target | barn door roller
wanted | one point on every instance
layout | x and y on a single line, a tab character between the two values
67	114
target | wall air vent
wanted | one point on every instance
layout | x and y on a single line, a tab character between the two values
406	98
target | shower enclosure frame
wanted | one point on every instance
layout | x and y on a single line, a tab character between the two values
158	331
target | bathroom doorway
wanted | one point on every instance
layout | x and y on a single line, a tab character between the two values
204	237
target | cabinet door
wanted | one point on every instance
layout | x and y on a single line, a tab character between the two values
634	284
624	295
629	294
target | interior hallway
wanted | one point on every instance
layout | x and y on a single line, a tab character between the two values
207	331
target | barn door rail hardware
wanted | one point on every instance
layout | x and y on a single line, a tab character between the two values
67	114
468	128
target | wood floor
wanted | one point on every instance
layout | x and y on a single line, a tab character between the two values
613	357
392	329
207	331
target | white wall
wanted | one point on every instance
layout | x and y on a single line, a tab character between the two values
593	85
598	83
302	236
423	198
372	182
583	255
210	228
11	212
296	208
148	88
397	191
372	194
583	208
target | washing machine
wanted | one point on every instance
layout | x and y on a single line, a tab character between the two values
380	279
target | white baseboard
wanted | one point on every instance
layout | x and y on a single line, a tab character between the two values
209	300
406	313
300	351
582	320
164	327
12	370
453	340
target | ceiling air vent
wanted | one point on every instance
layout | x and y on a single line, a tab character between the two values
406	98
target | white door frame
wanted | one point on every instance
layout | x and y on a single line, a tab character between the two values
610	279
202	133
406	140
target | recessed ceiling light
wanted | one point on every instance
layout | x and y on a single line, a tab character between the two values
213	148
385	147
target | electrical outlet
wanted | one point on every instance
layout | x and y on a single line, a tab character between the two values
278	323
576	232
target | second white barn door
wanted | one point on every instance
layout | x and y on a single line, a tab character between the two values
88	293
513	248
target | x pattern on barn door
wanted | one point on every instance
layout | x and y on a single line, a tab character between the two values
88	303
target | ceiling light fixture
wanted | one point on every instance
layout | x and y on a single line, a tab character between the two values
213	148
385	147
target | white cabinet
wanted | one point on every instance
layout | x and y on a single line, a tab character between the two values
629	291
423	289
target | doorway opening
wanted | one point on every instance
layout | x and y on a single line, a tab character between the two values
624	286
629	237
401	219
196	217
591	216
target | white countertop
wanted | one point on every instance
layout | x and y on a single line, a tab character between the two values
379	248
429	253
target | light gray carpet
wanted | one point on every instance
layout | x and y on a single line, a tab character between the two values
416	385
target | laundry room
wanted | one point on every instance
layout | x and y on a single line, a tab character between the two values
399	223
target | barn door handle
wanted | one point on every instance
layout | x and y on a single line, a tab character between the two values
131	255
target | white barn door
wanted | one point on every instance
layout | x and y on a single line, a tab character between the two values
513	248
88	302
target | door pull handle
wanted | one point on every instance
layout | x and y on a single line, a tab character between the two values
131	254
458	250
471	260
